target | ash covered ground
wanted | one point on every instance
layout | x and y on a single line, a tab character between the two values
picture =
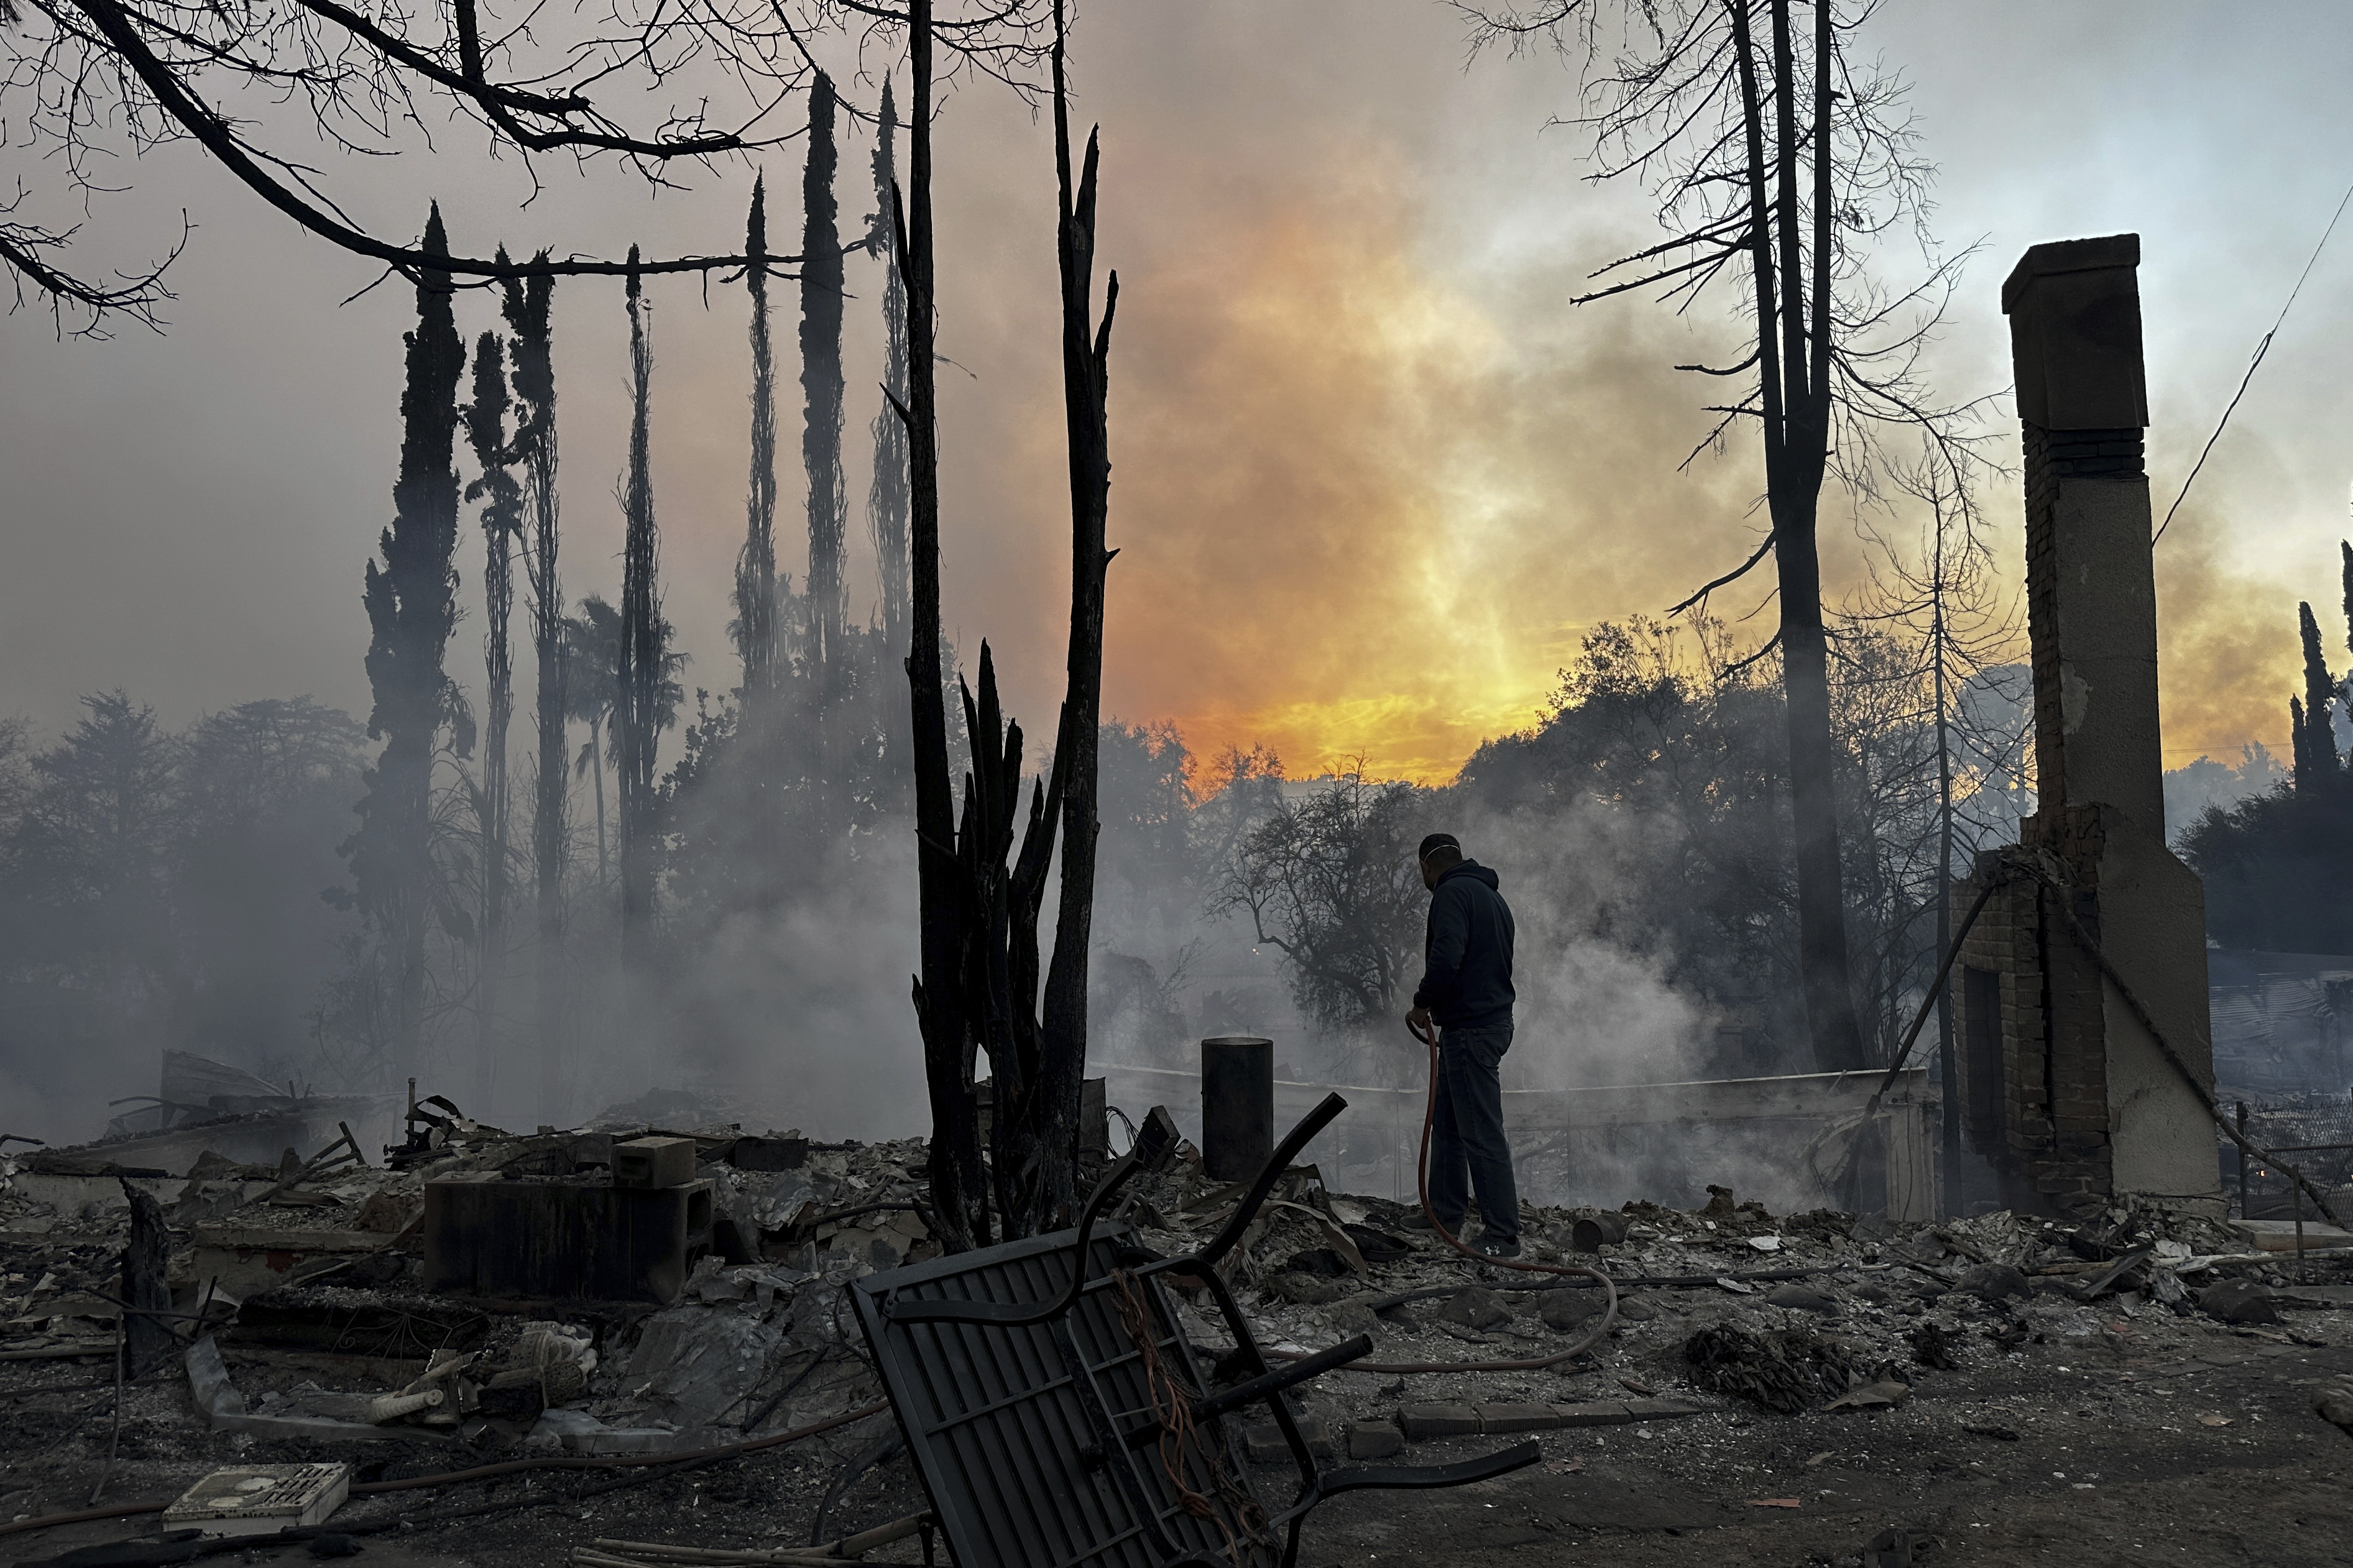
2139	1386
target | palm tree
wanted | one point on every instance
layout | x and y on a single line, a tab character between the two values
592	690
592	659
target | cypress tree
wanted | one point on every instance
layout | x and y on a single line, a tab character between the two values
886	496
2315	752
527	307
486	425
755	568
2346	549
411	602
643	658
821	285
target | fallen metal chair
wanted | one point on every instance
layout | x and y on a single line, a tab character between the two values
1058	1418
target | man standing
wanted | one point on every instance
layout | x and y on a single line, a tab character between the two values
1466	990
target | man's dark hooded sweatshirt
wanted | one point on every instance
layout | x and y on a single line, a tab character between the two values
1466	980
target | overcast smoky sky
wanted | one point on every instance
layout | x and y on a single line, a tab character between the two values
1373	475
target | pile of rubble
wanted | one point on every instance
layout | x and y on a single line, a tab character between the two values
324	1305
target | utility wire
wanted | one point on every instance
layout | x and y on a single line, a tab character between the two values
2261	349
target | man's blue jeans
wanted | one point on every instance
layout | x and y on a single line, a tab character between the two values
1467	1151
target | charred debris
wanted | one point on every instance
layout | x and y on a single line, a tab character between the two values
494	1331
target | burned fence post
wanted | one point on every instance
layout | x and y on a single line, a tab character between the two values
1236	1105
146	1295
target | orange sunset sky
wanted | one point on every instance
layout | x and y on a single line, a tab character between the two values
1373	475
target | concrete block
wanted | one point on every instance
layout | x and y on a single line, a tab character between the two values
564	1241
1266	1445
1374	1440
653	1162
1421	1421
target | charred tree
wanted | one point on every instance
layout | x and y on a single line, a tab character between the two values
979	989
959	1201
486	432
171	74
1086	368
1000	961
827	649
821	285
755	568
2314	736
2344	550
1793	340
526	306
886	495
1775	156
761	722
411	602
147	1324
644	659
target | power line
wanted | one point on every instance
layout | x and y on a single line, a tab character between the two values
2261	349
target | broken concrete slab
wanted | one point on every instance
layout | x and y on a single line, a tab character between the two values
222	1408
247	1260
2280	1234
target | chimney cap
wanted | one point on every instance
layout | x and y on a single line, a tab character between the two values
2060	256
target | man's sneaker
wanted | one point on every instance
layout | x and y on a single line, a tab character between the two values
1488	1246
1416	1220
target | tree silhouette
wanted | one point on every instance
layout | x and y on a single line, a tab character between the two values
411	601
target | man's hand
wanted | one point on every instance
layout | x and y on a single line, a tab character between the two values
1419	1021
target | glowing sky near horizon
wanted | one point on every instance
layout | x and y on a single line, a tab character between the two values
1373	475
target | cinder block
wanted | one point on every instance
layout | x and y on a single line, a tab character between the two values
653	1162
1266	1445
1374	1439
1421	1421
564	1240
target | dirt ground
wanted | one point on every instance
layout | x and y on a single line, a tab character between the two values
2202	1448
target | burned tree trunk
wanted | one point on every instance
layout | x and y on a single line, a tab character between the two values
486	422
830	677
755	569
760	719
411	601
526	308
958	1192
1086	362
821	285
1793	338
2313	738
980	985
1001	957
644	661
148	1342
886	495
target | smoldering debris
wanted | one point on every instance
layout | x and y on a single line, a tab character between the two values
304	1325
